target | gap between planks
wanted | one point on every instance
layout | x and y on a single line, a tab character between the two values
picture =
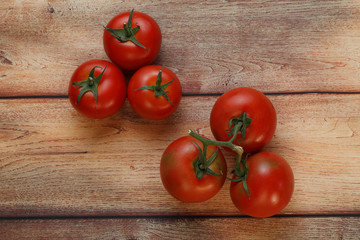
356	215
188	95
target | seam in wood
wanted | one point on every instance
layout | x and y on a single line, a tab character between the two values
355	215
189	95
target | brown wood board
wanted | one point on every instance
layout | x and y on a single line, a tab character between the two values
213	46
56	162
183	228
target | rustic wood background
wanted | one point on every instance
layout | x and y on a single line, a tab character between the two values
65	176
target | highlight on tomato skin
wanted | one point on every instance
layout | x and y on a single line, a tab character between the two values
178	174
270	183
154	92
257	107
97	89
132	40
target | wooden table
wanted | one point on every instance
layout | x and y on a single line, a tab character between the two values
65	176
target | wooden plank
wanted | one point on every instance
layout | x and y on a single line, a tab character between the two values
213	46
183	228
56	163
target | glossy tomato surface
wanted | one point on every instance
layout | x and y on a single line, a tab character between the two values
127	55
178	174
144	102
257	106
270	184
111	91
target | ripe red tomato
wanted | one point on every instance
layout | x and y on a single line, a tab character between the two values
256	105
178	171
97	89
132	41
270	183
154	92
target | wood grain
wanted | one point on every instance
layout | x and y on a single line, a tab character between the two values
99	179
213	46
56	163
183	228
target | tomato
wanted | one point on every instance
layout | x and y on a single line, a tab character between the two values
97	89
154	92
178	175
256	105
132	40
270	183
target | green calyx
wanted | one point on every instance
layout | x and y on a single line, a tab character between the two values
202	165
241	172
242	122
90	84
127	33
158	88
236	125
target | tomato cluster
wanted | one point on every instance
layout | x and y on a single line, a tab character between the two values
244	121
132	41
192	168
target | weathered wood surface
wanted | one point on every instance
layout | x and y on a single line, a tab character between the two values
183	228
213	46
57	163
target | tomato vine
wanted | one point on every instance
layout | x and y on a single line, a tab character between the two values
201	165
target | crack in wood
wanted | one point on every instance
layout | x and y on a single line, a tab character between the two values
5	61
50	8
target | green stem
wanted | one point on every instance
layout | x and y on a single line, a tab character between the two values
206	142
91	81
204	159
238	162
240	170
236	129
159	80
127	31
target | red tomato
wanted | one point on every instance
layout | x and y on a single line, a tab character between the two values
257	106
270	183
139	48
148	102
110	89
178	173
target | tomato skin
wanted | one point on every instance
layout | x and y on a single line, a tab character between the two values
127	55
257	106
270	183
144	102
178	174
111	90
